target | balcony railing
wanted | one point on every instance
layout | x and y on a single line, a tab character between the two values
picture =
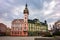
25	30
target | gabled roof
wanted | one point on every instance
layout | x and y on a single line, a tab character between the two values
2	25
31	21
35	21
57	22
18	20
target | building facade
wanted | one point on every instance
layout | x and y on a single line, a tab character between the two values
36	25
36	28
56	26
3	29
20	26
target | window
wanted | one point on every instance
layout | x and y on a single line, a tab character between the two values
24	32
20	27
25	18
24	28
25	15
13	25
0	30
12	32
25	25
15	33
20	32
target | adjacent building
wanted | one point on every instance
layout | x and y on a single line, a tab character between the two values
36	25
8	31
56	26
3	29
37	28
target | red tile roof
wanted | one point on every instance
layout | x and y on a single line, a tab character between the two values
18	20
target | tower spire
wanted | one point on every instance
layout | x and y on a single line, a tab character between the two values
26	9
26	6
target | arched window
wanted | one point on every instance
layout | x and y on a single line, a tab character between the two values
25	18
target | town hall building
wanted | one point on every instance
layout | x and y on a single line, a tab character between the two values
26	27
19	27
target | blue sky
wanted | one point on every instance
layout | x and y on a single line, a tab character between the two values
42	9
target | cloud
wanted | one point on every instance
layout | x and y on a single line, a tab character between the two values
17	10
42	9
49	7
7	23
51	11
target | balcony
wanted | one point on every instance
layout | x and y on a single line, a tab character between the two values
25	30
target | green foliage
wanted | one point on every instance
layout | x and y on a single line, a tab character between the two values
33	33
30	33
57	33
48	35
37	33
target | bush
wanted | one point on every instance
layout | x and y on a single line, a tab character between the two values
47	34
33	33
56	33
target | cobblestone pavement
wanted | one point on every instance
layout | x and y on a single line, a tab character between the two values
28	38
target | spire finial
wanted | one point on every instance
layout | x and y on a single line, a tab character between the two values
26	5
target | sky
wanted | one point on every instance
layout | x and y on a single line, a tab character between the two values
41	9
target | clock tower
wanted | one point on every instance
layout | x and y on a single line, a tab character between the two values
26	13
